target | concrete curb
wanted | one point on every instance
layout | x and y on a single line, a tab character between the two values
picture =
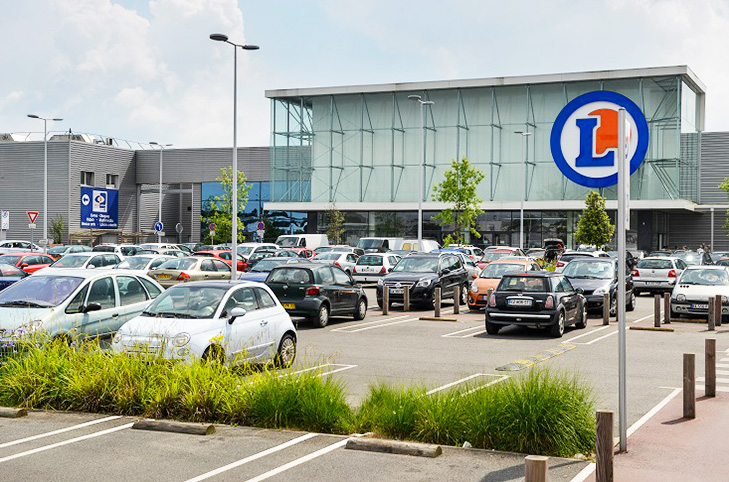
689	320
6	412
651	328
175	427
435	318
394	447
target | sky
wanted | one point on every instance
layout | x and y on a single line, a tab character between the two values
146	70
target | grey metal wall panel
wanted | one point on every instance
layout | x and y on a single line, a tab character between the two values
200	165
714	167
694	228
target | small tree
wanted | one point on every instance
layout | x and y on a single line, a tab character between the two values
56	230
724	186
459	189
594	227
221	207
335	220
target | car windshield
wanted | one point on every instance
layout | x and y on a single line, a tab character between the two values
497	270
183	301
266	265
369	260
58	250
416	264
9	259
288	242
688	258
103	249
704	277
589	270
70	261
328	256
10	271
136	262
245	250
493	256
295	276
655	264
179	263
39	291
370	243
530	284
323	249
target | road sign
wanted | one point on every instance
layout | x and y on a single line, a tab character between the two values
158	226
584	139
31	226
45	242
212	227
5	220
161	233
32	215
178	228
261	226
260	233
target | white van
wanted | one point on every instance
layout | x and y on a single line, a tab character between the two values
412	245
309	241
379	245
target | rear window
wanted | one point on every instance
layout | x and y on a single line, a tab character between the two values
492	256
290	276
180	263
103	249
368	260
570	257
655	264
498	270
528	284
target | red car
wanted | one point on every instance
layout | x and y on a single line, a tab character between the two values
302	252
28	262
225	256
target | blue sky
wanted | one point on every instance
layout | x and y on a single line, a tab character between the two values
145	70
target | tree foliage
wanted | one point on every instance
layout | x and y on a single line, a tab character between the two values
335	221
724	186
221	207
459	190
594	227
56	229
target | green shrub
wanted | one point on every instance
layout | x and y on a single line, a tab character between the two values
391	411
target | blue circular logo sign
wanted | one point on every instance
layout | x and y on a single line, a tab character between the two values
158	226
584	139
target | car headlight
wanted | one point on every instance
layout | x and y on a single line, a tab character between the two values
181	339
117	337
601	291
424	283
380	282
724	300
681	298
474	287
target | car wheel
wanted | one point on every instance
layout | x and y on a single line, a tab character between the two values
213	355
322	317
614	306
464	294
557	330
286	351
361	310
583	317
491	328
379	302
631	303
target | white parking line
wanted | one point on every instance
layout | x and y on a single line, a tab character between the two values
66	442
586	334
599	338
718	380
55	432
455	333
370	322
253	457
299	461
355	329
448	385
722	365
344	367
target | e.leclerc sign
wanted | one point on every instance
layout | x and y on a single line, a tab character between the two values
584	139
99	208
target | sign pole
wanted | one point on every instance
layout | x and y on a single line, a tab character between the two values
623	213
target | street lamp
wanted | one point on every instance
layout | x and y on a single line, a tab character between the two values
422	103
45	175
161	150
524	135
219	37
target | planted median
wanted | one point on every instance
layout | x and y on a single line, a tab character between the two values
538	413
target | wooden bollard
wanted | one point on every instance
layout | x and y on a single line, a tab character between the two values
689	385
717	310
667	308
436	301
406	298
604	446
535	468
456	299
386	300
606	309
710	314
710	367
657	311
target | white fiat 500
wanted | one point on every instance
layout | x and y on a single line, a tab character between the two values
696	285
234	322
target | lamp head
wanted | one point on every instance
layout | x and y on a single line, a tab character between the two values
57	120
250	47
220	37
414	97
33	116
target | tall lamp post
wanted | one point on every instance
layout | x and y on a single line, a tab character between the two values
524	136
422	103
159	214
45	175
219	37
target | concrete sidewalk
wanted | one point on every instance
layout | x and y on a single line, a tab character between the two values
670	448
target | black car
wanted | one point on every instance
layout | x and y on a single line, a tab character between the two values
542	300
317	291
421	273
597	276
254	258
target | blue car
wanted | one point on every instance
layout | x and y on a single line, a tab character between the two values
260	270
10	274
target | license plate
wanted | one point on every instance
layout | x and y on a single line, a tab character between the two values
520	302
163	276
289	306
653	283
397	291
700	306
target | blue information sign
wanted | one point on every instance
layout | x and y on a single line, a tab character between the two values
99	208
158	226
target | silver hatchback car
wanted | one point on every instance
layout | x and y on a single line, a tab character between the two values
657	274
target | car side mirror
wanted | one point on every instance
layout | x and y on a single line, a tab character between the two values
474	276
579	291
236	313
91	266
91	307
24	265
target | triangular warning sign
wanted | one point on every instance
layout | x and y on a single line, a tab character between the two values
32	215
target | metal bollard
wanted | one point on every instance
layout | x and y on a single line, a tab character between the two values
717	310
406	299
386	300
657	311
689	385
535	468
436	301
604	448
456	299
710	314
710	367
667	308
606	309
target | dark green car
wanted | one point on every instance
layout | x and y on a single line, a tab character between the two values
317	291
